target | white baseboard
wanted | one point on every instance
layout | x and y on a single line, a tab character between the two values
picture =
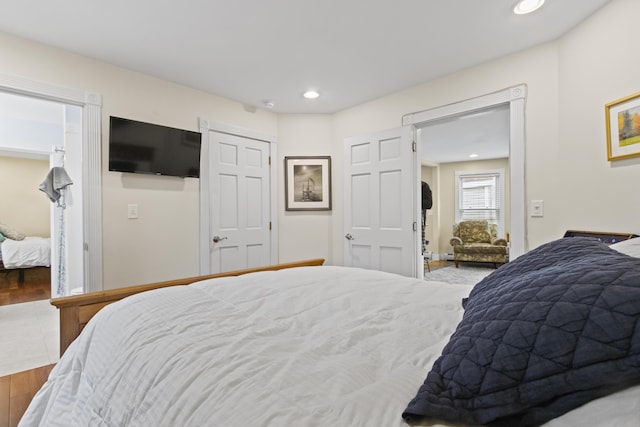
439	257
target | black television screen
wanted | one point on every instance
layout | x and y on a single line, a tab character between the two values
153	149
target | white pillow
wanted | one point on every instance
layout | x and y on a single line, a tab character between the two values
10	233
630	247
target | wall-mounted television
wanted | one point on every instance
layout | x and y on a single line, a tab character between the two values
140	147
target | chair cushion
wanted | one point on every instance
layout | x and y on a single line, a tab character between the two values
481	248
475	232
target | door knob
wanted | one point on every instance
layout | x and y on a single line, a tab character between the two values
217	239
348	237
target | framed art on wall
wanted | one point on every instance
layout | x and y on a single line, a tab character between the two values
623	127
307	182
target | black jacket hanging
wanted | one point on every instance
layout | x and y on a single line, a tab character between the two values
427	201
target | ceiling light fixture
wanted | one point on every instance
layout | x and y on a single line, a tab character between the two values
269	104
527	6
311	94
473	155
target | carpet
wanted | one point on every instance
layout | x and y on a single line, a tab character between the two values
29	337
466	273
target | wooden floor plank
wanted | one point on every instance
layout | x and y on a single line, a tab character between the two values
17	391
36	286
20	395
5	396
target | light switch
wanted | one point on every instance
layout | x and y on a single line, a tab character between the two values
132	211
537	208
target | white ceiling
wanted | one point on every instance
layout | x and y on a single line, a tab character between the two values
484	133
23	108
29	126
351	51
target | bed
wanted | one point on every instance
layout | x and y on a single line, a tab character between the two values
31	251
338	346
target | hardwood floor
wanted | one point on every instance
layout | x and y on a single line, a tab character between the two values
438	264
36	285
16	392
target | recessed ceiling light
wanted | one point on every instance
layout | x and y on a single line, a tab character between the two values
269	104
473	155
311	94
527	6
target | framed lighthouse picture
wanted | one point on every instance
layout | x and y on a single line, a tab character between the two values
307	182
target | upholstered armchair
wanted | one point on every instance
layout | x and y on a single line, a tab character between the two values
477	241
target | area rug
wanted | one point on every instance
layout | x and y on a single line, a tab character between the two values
465	274
29	337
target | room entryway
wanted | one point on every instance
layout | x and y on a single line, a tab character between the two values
81	154
513	99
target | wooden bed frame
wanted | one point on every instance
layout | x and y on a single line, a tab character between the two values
77	310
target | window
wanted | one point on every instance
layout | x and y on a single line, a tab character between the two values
480	195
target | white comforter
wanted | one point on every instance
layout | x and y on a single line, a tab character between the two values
30	252
315	346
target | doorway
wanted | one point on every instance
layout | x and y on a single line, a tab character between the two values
32	140
513	99
83	243
468	144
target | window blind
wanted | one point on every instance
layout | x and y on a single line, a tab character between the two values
479	197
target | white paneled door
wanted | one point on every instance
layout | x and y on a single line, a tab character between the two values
380	228
240	202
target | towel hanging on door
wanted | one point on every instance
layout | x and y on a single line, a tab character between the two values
53	186
57	180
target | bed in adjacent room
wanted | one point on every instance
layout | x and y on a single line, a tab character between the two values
551	337
28	252
32	251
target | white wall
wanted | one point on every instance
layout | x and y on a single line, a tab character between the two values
163	243
568	83
305	234
597	66
23	206
536	67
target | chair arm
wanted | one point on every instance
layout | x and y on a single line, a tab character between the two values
499	242
455	241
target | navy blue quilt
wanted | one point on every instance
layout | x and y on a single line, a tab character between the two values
553	329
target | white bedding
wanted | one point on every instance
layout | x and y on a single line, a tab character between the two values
314	346
30	252
630	247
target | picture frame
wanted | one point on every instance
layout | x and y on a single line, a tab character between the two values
307	182
622	118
